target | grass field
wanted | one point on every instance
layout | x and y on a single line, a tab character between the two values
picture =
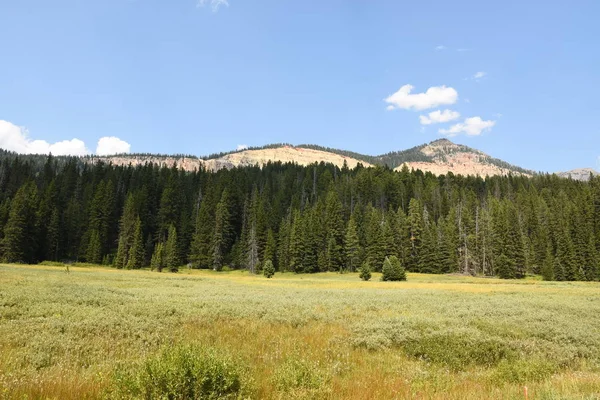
104	333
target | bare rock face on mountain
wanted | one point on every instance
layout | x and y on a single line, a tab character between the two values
443	156
285	154
580	174
185	163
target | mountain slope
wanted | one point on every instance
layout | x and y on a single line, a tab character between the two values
243	158
438	157
442	156
580	174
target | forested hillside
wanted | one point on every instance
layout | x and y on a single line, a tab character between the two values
303	219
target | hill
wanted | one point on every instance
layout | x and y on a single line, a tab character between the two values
580	174
442	156
438	157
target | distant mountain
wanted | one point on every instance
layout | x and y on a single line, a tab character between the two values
438	157
580	174
442	156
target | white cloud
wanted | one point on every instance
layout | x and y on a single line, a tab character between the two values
389	108
110	145
438	117
440	48
433	97
473	126
15	138
214	4
479	75
241	147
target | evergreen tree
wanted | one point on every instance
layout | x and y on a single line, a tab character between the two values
137	254
19	233
268	269
158	258
171	253
415	222
283	245
253	260
548	266
365	272
270	247
200	252
335	232
505	267
352	246
127	230
94	248
296	244
376	240
54	236
392	270
429	255
222	232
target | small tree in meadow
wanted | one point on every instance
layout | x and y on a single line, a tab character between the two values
158	258
393	270
365	272
268	269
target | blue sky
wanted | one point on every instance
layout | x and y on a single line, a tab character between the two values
185	77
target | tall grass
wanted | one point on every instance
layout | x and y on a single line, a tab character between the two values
102	333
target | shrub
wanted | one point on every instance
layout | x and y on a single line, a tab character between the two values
268	269
392	270
365	272
301	378
523	371
182	372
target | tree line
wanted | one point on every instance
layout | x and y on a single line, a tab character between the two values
301	219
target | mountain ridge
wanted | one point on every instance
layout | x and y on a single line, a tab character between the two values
439	157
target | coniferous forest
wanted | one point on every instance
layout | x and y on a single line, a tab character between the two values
302	219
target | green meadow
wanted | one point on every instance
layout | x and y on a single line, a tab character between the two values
94	333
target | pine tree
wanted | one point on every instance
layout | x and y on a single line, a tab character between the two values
352	246
252	256
415	222
19	233
268	269
94	248
392	270
297	244
505	267
158	258
171	253
137	254
200	251
401	232
283	244
513	242
365	272
270	247
127	229
548	265
54	236
222	232
428	260
335	232
376	240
